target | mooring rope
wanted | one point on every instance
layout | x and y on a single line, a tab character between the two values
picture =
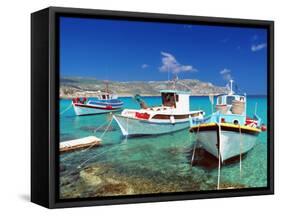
99	127
97	155
219	156
106	129
94	157
81	165
240	151
66	109
89	147
195	145
127	123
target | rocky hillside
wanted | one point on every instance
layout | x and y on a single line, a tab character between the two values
88	87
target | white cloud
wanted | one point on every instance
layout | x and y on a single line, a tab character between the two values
258	47
170	64
144	66
226	74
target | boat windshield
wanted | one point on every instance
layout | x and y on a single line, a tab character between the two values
168	99
105	97
229	100
220	100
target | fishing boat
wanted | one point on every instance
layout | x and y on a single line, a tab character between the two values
172	115
228	132
106	102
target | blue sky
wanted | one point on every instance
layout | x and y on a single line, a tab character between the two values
140	51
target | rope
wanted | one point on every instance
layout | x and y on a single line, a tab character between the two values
106	129
80	166
240	152
127	123
89	147
95	131
219	155
195	145
66	109
101	153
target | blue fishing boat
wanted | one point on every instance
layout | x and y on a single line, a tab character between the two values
105	102
228	132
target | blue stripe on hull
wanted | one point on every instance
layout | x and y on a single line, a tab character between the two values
120	103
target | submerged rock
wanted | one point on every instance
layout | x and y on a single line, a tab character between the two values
114	187
90	176
227	185
99	180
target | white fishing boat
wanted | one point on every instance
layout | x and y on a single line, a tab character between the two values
106	102
228	132
173	115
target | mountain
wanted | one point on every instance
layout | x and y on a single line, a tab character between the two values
88	87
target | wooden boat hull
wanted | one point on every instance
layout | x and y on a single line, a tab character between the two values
230	141
138	127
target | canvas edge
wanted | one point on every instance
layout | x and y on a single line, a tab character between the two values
54	203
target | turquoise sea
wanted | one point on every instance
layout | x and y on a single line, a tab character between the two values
157	164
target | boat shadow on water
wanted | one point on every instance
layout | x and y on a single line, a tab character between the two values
207	161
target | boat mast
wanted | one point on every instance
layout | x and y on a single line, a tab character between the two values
106	86
176	78
231	83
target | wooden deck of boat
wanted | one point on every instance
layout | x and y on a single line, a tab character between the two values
78	144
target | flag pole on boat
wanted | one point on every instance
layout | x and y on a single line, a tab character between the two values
256	107
168	82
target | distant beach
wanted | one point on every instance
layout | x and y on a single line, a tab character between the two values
72	87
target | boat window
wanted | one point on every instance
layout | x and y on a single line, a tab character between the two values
229	99
177	98
168	99
242	98
219	100
103	97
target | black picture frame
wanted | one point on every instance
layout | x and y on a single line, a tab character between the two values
45	97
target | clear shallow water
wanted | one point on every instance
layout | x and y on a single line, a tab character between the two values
151	164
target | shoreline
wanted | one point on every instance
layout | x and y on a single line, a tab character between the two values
143	95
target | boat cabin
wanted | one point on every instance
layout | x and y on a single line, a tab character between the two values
106	96
175	99
231	104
